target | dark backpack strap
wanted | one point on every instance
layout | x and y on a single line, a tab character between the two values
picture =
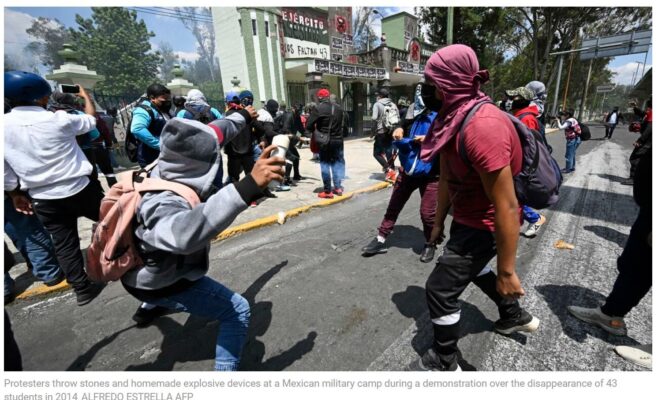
150	112
462	136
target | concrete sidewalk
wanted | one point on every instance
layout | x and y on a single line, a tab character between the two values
363	174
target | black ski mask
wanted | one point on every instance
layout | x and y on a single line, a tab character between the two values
429	99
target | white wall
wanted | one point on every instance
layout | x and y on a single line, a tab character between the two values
229	46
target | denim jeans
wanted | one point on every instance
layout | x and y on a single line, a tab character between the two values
530	215
210	299
332	165
572	145
34	243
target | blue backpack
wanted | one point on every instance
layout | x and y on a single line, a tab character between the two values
538	183
409	151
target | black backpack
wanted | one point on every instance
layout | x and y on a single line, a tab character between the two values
585	134
538	183
131	143
278	123
204	116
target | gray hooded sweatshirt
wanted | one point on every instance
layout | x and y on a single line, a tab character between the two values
174	238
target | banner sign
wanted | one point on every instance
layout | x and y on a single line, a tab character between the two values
349	71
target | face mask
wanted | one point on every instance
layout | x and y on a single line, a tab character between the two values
432	103
508	105
165	106
247	101
519	104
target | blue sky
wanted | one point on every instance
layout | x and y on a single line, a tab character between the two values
171	30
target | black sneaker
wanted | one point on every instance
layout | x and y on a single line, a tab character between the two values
428	253
430	362
374	247
144	316
85	294
298	178
55	281
269	194
524	323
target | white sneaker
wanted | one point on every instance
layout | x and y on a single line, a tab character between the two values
638	355
534	228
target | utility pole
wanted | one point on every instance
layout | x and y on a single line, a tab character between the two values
584	98
557	84
449	25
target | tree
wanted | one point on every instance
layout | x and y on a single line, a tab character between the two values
51	36
169	59
116	45
364	34
196	20
481	28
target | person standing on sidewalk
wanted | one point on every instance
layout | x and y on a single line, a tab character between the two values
175	239
46	172
485	210
528	114
327	117
407	182
383	147
572	134
634	279
611	121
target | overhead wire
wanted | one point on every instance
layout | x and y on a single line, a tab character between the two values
172	14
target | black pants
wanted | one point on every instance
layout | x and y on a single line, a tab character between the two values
91	157
60	218
464	260
13	360
105	165
609	128
237	163
636	156
634	265
383	151
293	156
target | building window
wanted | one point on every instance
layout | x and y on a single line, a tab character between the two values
240	23
267	28
254	29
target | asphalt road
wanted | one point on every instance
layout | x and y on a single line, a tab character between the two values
318	305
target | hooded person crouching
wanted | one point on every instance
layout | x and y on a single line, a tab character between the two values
174	238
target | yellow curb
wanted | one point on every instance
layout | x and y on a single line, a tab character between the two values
273	219
248	226
43	289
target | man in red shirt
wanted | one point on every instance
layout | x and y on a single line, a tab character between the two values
528	114
486	214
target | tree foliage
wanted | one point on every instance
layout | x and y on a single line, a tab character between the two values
194	19
364	36
169	59
515	43
51	36
116	45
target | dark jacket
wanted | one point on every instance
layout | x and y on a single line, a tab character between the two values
642	182
243	143
323	120
285	123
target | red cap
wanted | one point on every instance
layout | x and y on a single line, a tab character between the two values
323	93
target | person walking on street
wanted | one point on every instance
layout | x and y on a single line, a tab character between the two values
528	114
46	172
611	121
572	134
408	180
485	210
240	150
643	143
149	117
384	116
327	118
634	279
